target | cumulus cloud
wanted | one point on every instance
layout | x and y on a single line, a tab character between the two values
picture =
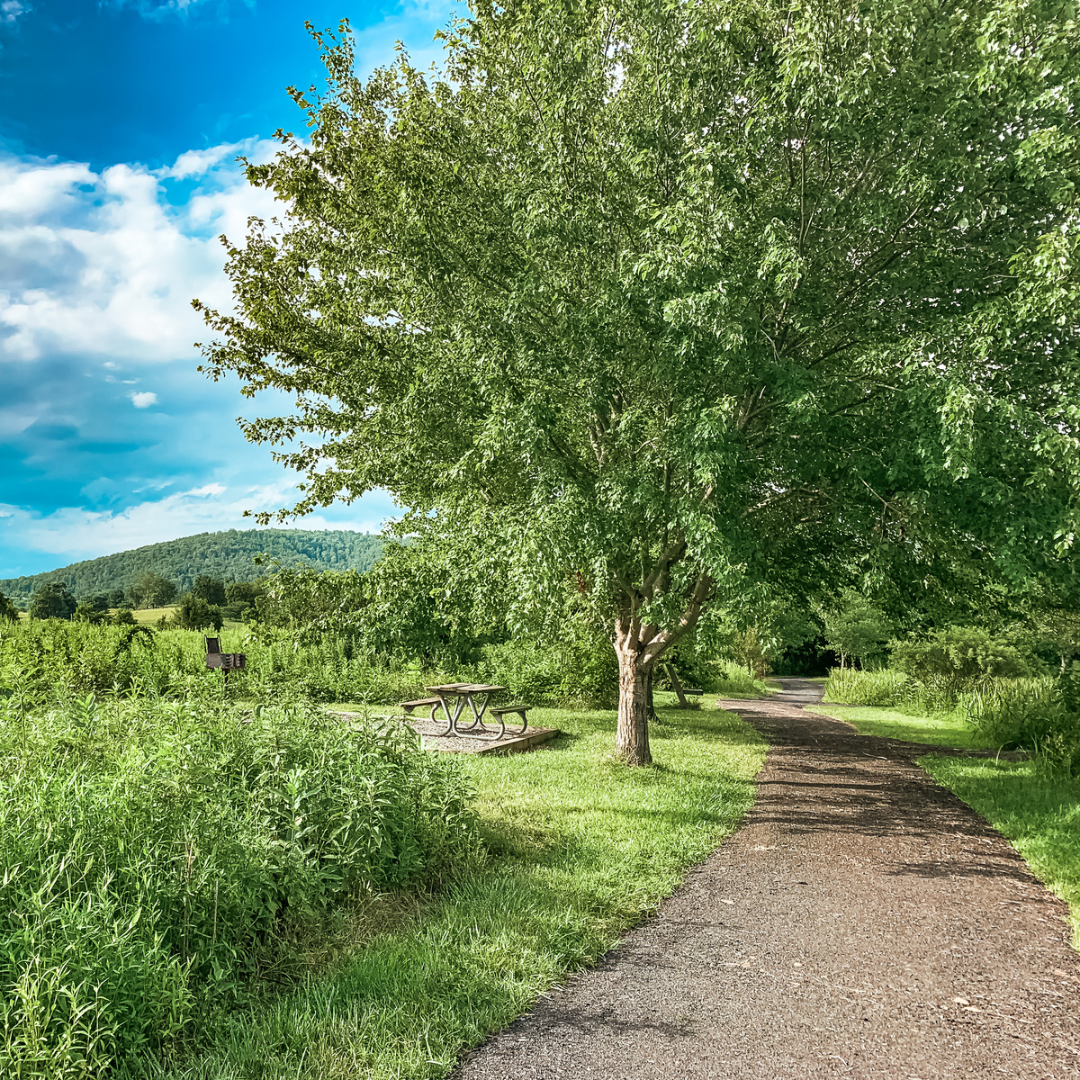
143	399
104	263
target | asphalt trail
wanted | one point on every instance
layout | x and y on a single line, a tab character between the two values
863	923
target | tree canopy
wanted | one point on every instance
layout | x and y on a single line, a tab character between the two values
667	301
52	601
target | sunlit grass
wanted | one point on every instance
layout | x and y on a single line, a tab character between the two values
149	616
579	848
891	724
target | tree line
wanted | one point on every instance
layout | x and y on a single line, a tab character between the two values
229	556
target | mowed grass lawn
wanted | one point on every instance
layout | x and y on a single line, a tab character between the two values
579	848
1038	813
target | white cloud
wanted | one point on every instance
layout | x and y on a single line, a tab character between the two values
143	399
12	10
413	22
102	263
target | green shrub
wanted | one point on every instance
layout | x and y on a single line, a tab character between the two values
154	854
946	662
578	668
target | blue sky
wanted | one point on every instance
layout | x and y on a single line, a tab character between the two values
120	123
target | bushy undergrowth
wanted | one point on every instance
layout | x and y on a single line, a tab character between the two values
49	660
884	688
154	855
1028	714
731	678
574	671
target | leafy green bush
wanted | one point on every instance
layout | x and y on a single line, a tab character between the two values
882	688
154	854
576	668
946	662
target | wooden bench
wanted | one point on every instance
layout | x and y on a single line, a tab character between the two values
431	703
500	712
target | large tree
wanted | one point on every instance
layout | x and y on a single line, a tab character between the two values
52	601
666	301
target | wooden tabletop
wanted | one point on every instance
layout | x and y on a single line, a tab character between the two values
463	688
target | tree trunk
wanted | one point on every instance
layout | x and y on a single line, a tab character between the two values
632	735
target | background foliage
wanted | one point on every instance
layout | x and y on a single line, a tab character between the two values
226	555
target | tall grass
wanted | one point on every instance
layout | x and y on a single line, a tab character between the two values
731	680
1009	713
154	855
51	660
1028	714
578	848
883	688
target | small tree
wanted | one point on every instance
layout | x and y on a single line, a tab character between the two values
210	589
86	612
753	651
194	613
855	628
8	611
153	590
53	601
242	598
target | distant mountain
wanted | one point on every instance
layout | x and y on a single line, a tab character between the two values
226	555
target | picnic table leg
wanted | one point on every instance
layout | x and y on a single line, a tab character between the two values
478	713
468	699
451	716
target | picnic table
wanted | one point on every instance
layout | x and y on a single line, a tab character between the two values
452	699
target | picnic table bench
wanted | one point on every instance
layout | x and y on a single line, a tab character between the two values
502	711
431	703
452	699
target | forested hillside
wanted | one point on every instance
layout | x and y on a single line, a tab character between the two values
226	555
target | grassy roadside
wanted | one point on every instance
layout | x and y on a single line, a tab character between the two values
892	724
1039	814
580	848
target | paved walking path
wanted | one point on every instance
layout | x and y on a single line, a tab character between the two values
862	923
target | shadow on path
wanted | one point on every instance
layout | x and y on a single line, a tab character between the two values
862	923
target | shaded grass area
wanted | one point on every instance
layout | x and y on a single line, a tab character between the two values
579	848
1040	815
947	730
